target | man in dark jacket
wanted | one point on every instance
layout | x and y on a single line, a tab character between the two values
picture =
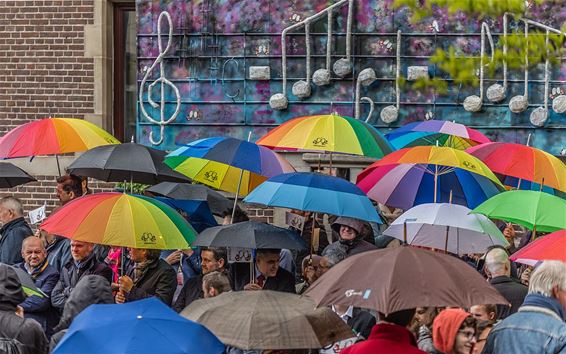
24	333
351	238
149	276
212	259
498	269
14	230
268	275
45	278
58	250
83	262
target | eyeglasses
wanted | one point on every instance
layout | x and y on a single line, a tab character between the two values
468	334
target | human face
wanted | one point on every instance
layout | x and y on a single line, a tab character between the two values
138	255
323	266
560	295
479	312
480	341
80	250
423	316
347	233
6	215
33	252
465	340
64	197
209	263
268	264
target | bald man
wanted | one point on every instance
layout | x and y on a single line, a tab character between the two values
45	277
498	270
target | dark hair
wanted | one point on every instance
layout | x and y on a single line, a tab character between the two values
153	254
469	321
401	318
239	215
71	183
218	253
266	251
489	308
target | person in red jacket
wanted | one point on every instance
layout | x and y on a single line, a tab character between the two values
389	336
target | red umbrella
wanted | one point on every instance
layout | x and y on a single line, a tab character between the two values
391	280
549	247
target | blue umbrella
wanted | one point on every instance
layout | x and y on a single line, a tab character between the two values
315	192
198	212
145	326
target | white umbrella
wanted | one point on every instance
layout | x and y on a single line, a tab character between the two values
446	226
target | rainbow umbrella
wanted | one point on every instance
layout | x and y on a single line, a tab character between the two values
328	133
429	174
523	167
118	219
228	164
534	210
548	247
53	136
433	132
315	192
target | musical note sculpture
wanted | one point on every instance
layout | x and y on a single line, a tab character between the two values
520	103
161	80
390	113
474	103
365	78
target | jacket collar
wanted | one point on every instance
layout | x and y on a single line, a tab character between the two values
392	332
502	279
10	224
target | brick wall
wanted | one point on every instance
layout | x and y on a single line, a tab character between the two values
43	71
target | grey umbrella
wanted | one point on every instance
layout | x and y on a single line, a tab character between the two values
217	203
250	234
129	162
11	176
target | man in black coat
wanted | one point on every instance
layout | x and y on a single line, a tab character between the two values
28	333
498	269
14	230
83	262
149	276
212	259
267	274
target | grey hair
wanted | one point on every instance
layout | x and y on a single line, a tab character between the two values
13	204
496	260
334	255
546	276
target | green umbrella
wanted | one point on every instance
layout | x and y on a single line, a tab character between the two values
534	210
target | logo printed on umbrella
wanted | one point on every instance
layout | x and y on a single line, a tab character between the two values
320	141
364	294
469	165
211	176
148	238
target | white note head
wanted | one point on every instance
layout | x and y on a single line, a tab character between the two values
539	116
473	103
367	77
389	114
518	104
278	101
342	67
495	93
301	89
559	104
321	77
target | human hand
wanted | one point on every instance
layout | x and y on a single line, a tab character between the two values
173	258
120	297
126	283
20	311
509	231
252	286
188	252
115	286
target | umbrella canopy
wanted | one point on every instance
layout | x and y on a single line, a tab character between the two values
268	320
129	162
433	132
118	219
217	203
329	133
197	212
144	326
315	192
519	165
429	174
537	211
401	278
548	247
219	161
250	234
27	283
446	226
53	136
11	176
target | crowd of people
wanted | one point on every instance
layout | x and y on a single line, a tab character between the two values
75	274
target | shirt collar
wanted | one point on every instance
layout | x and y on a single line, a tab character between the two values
348	314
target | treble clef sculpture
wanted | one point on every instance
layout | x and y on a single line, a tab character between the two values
163	81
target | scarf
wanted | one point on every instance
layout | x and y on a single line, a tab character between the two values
546	302
141	268
36	271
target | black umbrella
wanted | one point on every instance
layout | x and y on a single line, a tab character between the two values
250	234
217	203
11	176
128	162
